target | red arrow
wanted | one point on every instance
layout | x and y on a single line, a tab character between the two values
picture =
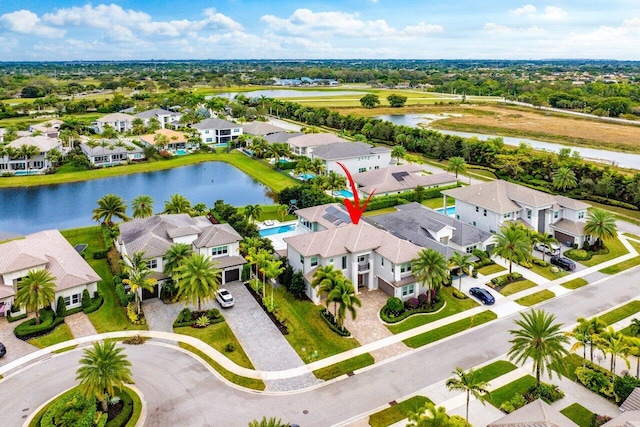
355	211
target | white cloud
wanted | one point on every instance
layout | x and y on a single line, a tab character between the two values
553	13
27	22
423	29
527	9
491	27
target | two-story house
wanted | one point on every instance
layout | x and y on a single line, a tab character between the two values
120	122
164	117
50	251
36	164
491	205
302	145
357	157
156	234
111	152
50	128
217	131
399	179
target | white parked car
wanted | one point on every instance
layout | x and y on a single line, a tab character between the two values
551	249
224	298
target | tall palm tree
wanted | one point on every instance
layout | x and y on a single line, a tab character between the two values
109	207
28	151
594	326
564	179
262	259
35	291
335	181
252	212
177	204
457	165
634	350
512	244
282	211
138	279
142	206
398	152
199	279
318	166
272	270
303	166
582	334
431	269
634	327
344	297
174	257
463	262
540	340
601	225
466	381
429	416
614	343
325	279
103	369
545	240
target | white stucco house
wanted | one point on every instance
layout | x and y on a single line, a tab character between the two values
37	164
45	250
120	122
156	234
399	179
217	131
357	157
50	128
491	205
112	152
164	117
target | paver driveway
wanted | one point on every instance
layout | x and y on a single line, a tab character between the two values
16	348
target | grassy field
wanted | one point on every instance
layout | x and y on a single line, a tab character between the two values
450	329
578	414
436	202
60	334
344	367
506	392
571	362
515	287
218	336
453	305
257	170
546	271
398	412
493	370
624	265
620	313
270	212
110	317
491	269
536	298
575	283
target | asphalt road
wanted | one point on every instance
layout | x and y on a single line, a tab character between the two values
181	392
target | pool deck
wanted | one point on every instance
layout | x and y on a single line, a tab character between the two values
278	239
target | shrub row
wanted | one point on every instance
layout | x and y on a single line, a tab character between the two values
11	318
48	322
331	321
186	317
538	261
606	383
73	409
102	254
505	279
124	416
578	254
94	304
391	315
547	392
124	298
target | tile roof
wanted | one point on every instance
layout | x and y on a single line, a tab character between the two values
574	204
116	117
44	143
214	124
571	227
344	150
626	419
281	136
535	414
329	216
154	112
261	128
632	402
170	134
399	178
314	140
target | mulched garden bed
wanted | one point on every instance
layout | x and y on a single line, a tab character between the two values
282	328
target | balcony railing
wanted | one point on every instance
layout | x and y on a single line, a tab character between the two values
364	266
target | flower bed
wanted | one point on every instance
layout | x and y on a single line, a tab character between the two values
394	314
500	282
195	319
281	327
331	321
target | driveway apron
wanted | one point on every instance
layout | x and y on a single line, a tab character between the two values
80	325
262	341
16	348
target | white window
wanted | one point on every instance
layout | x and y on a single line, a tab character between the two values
407	290
152	263
360	170
556	214
507	215
405	267
314	261
581	215
219	250
528	213
72	300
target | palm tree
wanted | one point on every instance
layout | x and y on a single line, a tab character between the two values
282	211
103	369
512	244
600	224
199	279
268	422
344	296
303	166
429	416
593	327
335	181
465	381
142	206
634	327
110	206
461	261
35	291
177	204
252	212
431	269
614	343
138	272
457	165
200	209
582	334
325	279
28	151
564	179
545	240
540	340
398	152
634	350
174	257
318	166
272	270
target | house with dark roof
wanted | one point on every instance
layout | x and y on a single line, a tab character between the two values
217	131
164	117
399	179
156	234
490	205
357	157
46	250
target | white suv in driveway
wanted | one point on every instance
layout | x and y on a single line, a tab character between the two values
224	298
552	249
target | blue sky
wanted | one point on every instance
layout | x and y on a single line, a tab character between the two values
284	29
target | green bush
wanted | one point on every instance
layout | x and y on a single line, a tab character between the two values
331	321
11	318
594	379
229	348
392	318
86	299
623	386
578	254
298	287
547	392
124	298
61	307
214	314
29	329
538	261
94	304
516	402
394	305
124	416
246	272
71	410
100	254
459	295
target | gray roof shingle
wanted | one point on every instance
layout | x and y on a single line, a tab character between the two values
344	150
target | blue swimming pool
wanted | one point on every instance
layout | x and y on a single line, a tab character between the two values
277	230
451	210
181	152
343	193
306	176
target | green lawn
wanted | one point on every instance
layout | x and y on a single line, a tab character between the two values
516	287
506	392
533	299
547	273
60	334
620	313
578	414
575	283
450	329
341	368
493	370
436	202
241	381
270	212
218	336
453	305
571	362
491	269
398	412
616	249
110	317
380	211
309	335
624	265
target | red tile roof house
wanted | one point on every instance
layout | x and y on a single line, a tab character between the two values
45	250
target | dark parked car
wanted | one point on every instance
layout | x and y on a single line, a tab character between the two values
562	262
483	295
3	350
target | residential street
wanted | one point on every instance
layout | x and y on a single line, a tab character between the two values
178	391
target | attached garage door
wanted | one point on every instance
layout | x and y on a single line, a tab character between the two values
150	294
386	287
232	275
563	238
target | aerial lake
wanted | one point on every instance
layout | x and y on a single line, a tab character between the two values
625	160
64	206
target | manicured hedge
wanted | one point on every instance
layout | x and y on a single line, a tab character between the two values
100	254
330	320
11	318
29	329
187	317
127	410
95	304
389	317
